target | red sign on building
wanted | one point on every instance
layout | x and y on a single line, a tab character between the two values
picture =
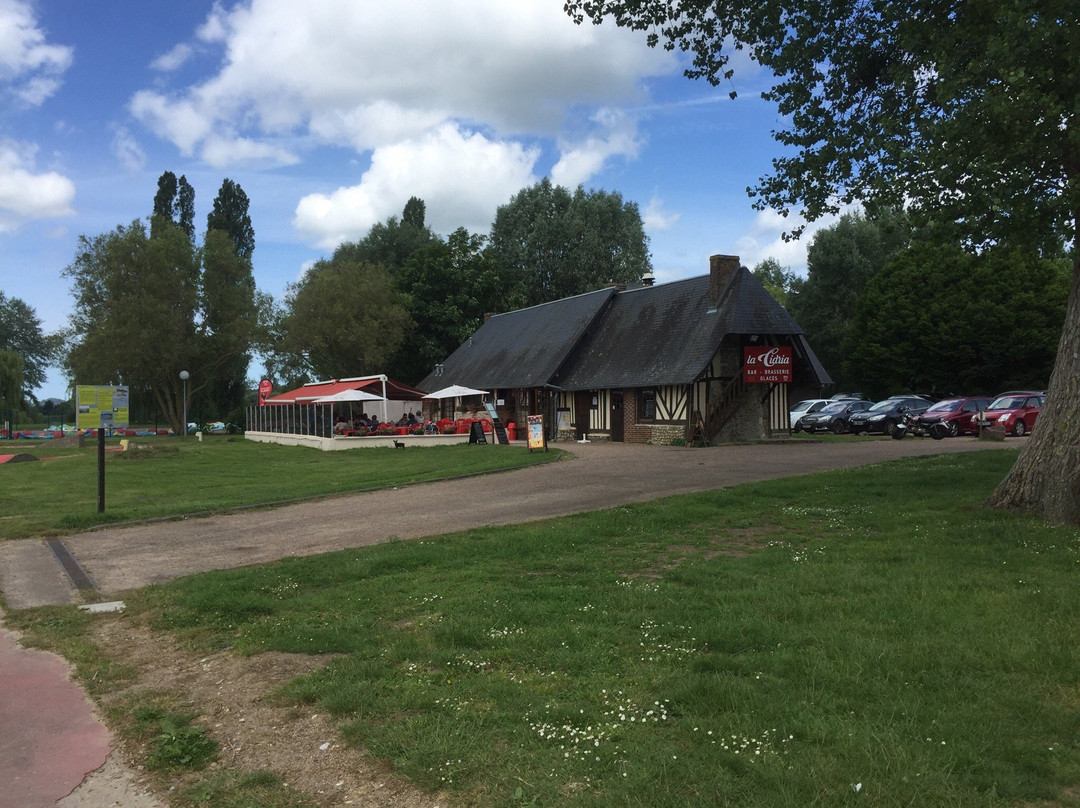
766	364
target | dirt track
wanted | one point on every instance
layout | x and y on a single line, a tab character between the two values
599	475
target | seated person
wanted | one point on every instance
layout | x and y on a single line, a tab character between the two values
431	427
341	427
413	420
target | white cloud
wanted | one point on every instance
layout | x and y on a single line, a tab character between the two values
765	239
462	177
615	135
223	152
655	218
30	68
367	74
26	195
173	59
127	150
181	122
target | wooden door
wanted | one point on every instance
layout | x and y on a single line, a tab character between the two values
617	434
582	409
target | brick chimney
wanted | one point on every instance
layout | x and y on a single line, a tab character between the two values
722	269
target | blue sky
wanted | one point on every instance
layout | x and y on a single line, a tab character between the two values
332	113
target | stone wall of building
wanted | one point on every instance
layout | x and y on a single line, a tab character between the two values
748	420
667	434
633	432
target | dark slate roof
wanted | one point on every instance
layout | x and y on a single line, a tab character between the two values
668	334
819	370
522	348
746	307
652	335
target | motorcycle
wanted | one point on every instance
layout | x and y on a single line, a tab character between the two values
909	422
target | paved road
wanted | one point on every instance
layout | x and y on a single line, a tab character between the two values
599	475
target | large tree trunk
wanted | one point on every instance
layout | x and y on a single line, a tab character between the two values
1045	479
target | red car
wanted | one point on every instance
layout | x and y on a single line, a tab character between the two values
955	414
1016	412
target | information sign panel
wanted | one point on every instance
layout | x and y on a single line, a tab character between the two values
536	432
93	401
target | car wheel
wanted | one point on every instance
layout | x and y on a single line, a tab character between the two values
954	429
839	427
889	427
797	427
1019	428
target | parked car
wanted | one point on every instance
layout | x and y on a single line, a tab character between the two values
846	397
1016	412
954	413
883	416
833	417
804	408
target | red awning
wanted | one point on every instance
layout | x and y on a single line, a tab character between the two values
395	391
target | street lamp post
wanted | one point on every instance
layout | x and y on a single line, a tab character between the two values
184	376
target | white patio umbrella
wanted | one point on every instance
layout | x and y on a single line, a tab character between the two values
346	396
349	395
455	390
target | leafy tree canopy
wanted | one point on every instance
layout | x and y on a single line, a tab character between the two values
778	282
450	286
941	320
231	305
414	212
963	110
557	243
140	313
230	215
134	317
343	318
11	380
174	203
20	331
391	243
233	312
840	260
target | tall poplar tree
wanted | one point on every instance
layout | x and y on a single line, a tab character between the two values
151	304
228	299
174	203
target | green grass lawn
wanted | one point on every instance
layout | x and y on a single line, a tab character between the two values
170	477
864	637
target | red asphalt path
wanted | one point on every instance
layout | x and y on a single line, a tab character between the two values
50	736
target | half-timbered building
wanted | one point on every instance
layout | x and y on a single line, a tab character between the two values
653	363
